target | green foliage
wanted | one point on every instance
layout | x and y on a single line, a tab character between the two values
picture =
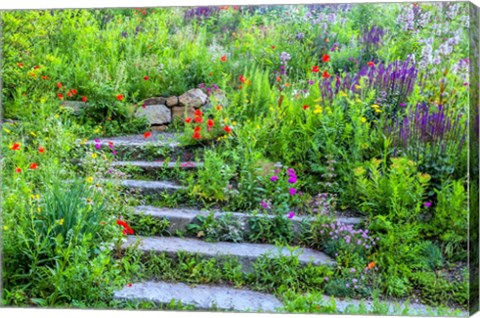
224	227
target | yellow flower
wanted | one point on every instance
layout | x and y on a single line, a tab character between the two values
90	180
343	94
5	227
60	221
363	120
6	130
375	106
358	100
225	120
318	109
94	155
234	123
358	86
56	116
378	111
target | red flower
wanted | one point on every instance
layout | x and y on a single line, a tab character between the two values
315	69
242	79
69	94
305	107
147	134
33	166
126	228
198	113
41	149
235	8
18	170
120	97
73	91
20	64
279	79
59	85
84	99
273	47
227	129
129	285
371	64
198	120
196	135
60	96
188	120
326	58
210	123
36	67
325	74
223	58
44	77
145	78
16	146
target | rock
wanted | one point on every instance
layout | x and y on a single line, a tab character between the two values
179	111
154	101
193	98
155	114
76	106
172	101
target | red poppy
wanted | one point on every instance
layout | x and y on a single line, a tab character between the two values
36	67
84	99
227	129
20	64
59	85
147	134
305	107
326	58
325	74
188	120
315	69
371	64
16	146
198	120
44	77
33	166
145	78
198	113
223	58
18	170
60	96
196	135
41	149
73	91
120	97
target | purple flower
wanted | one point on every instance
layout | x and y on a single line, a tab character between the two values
292	191
292	179
264	204
114	152
427	204
214	86
202	85
347	285
291	214
326	278
97	146
274	178
310	82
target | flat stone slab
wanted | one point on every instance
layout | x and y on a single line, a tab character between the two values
203	297
157	138
246	253
180	218
155	114
158	165
152	187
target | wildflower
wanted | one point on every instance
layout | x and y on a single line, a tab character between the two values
90	179
427	204
315	69
227	129
120	97
145	78
326	278
20	64
59	85
292	191
147	134
69	94
201	85
188	120
44	77
41	149
5	227
198	113
284	57
292	179
61	221
242	79
129	285
94	155
223	58
310	82
363	120
274	178
210	124
325	74
264	204
73	91
305	107
196	135
218	108
198	128
18	170
33	166
371	265
371	64
325	58
273	47
198	119
84	99
291	214
60	96
127	230
15	147
318	110
278	79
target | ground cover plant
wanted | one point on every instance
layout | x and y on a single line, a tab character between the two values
332	112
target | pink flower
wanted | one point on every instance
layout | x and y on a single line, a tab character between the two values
291	214
292	191
427	204
274	178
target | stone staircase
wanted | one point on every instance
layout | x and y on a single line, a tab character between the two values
203	297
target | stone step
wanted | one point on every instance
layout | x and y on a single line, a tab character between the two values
202	297
157	165
151	187
246	253
159	145
180	218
